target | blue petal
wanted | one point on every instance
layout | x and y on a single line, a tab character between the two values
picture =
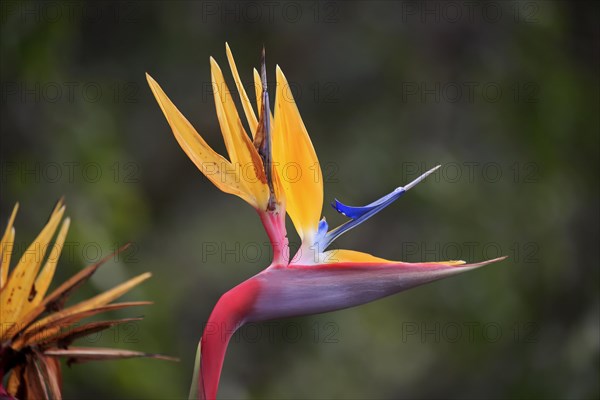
322	230
320	238
357	212
358	215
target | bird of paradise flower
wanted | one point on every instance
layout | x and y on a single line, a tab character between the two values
37	330
315	280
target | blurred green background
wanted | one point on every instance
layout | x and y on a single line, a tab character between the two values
504	94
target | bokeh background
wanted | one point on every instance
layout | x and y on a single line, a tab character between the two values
504	94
